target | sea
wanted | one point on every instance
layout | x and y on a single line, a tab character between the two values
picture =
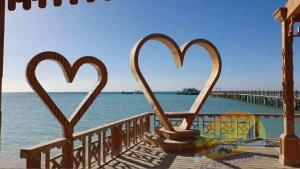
26	121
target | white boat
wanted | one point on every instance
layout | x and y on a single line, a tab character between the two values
188	91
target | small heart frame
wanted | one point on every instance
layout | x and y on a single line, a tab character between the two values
70	71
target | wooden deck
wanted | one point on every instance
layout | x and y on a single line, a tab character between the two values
144	156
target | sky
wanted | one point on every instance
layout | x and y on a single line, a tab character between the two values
245	33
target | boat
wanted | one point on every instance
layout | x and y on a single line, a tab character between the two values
188	91
124	92
138	92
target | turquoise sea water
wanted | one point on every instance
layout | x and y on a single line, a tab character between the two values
26	120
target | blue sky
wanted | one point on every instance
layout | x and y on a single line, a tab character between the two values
245	33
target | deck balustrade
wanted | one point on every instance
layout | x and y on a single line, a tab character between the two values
94	147
98	146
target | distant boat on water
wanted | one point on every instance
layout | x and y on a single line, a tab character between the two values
135	92
124	92
138	92
188	91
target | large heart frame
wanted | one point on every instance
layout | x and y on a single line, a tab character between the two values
178	55
69	73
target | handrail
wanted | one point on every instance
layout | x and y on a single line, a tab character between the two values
100	145
25	152
106	126
187	114
246	114
233	125
111	140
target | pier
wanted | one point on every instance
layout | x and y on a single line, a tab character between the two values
266	98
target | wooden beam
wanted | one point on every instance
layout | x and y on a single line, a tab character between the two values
2	27
280	14
297	18
41	3
293	8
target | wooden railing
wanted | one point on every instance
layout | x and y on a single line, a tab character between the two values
176	119
235	126
96	147
225	126
93	148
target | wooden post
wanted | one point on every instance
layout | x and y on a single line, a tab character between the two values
34	161
99	148
256	125
289	142
148	124
2	22
135	131
116	140
67	149
128	134
90	151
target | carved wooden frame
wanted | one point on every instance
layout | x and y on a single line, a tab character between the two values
69	73
178	55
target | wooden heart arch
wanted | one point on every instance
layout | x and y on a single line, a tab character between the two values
69	73
178	55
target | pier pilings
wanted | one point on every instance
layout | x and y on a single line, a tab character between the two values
266	98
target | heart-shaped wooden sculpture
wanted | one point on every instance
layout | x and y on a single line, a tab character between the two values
69	72
178	55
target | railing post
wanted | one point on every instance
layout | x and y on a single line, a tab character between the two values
90	151
154	121
237	127
104	149
128	134
198	122
67	149
116	140
34	160
148	124
84	161
256	127
135	131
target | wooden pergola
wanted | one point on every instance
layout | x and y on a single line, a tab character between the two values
287	15
289	142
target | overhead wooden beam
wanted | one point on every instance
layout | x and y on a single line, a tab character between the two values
293	8
2	26
41	3
280	14
57	2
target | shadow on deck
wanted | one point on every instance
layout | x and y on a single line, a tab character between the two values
144	156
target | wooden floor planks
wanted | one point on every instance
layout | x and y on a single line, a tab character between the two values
144	156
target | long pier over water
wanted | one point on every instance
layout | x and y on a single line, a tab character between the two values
267	98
